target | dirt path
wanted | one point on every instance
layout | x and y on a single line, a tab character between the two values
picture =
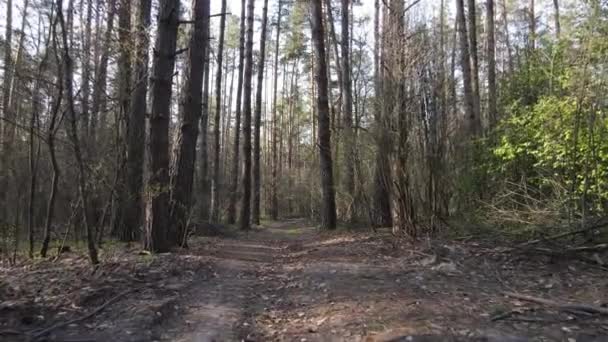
289	282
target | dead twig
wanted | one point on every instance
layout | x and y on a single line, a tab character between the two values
602	224
566	307
46	331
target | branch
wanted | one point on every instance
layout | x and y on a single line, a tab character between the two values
112	300
560	306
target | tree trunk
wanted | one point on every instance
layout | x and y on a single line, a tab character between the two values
157	212
474	60
205	195
133	215
558	26
86	76
347	115
274	200
491	55
234	184
191	107
328	213
68	78
245	219
381	215
8	117
465	64
215	184
100	85
255	215
531	26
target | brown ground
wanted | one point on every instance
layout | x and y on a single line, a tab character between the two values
288	282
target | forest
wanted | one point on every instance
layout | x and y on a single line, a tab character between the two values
303	170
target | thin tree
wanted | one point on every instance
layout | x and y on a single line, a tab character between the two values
245	214
465	63
382	207
255	215
491	55
68	79
8	117
190	111
473	52
125	231
157	225
231	215
347	108
215	184
558	26
274	199
328	213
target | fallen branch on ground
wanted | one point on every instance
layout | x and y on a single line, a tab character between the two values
46	331
600	224
567	307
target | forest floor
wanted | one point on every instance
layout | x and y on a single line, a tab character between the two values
287	281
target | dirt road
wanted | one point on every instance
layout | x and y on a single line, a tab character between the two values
287	281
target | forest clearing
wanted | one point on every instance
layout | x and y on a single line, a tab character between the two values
303	170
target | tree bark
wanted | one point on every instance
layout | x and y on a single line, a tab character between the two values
465	64
191	108
68	78
556	15
6	126
100	85
382	178
157	212
234	184
205	195
474	59
245	214
347	115
215	184
328	212
255	214
133	215
491	55
274	200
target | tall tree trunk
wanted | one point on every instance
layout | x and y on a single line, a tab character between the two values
215	184
531	26
157	212
474	59
86	75
50	140
127	130
558	26
274	199
245	214
347	109
465	64
255	214
234	184
191	107
6	124
68	78
505	20
101	75
328	212
382	207
491	55
133	216
205	195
